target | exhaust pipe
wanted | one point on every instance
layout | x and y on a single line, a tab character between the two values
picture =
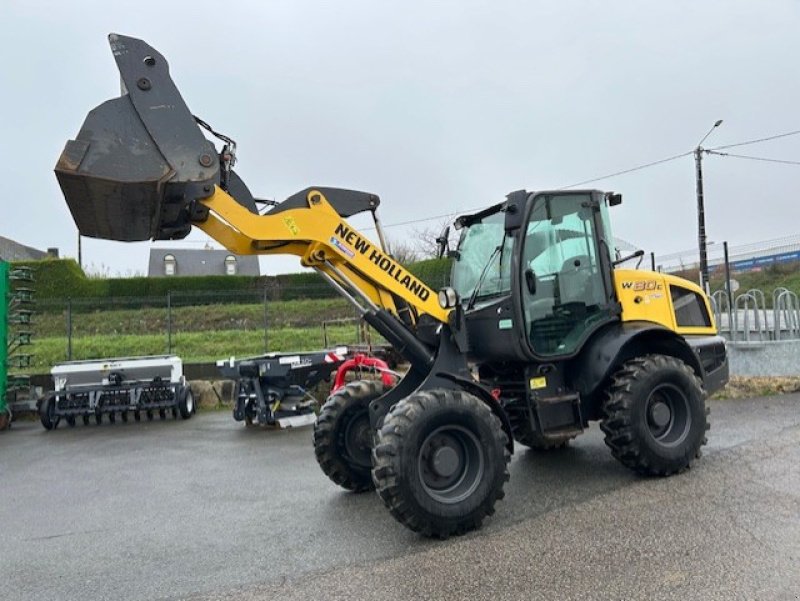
140	160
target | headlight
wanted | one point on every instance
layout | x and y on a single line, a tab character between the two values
448	298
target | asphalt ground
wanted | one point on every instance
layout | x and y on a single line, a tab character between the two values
207	509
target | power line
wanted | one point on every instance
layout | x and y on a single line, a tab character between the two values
623	172
431	218
588	181
631	170
752	158
767	139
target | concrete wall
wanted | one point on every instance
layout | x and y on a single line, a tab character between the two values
779	358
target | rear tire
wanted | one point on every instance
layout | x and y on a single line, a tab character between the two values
440	462
186	403
656	418
47	413
343	436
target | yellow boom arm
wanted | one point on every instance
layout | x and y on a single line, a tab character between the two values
324	241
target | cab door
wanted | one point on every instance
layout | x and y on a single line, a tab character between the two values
566	272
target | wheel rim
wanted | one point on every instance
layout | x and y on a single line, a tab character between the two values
358	439
668	415
451	464
189	402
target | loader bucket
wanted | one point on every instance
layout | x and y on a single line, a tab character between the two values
139	160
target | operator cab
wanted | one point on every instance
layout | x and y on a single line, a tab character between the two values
534	274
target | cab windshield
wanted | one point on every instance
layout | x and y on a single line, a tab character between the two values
482	268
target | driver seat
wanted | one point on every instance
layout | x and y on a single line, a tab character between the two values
574	280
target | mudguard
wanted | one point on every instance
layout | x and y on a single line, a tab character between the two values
613	345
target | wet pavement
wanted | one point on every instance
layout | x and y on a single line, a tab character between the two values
207	509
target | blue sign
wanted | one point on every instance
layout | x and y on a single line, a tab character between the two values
759	262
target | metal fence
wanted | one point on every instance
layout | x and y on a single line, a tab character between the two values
742	257
748	317
196	325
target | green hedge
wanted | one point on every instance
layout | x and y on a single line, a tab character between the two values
59	279
434	272
62	278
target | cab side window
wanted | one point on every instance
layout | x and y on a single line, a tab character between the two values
690	309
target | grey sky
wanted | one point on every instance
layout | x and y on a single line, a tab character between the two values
437	107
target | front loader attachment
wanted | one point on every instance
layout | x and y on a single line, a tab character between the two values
139	160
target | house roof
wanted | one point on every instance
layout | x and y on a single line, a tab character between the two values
14	251
200	261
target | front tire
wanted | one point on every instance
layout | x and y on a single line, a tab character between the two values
343	435
440	462
655	415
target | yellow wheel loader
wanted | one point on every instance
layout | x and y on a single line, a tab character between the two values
537	336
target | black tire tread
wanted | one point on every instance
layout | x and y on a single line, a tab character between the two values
325	444
616	425
183	406
45	413
389	441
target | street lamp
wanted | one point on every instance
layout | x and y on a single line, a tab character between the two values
701	213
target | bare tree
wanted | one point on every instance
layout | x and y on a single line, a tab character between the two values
423	243
403	251
426	238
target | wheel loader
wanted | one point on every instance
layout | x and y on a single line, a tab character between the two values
539	334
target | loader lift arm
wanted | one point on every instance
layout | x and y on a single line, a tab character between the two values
360	270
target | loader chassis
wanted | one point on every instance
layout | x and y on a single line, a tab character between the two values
538	335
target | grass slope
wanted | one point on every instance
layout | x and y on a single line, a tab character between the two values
190	346
88	321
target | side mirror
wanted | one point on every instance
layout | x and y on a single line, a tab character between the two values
443	242
515	209
530	280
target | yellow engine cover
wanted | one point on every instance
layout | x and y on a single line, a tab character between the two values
646	296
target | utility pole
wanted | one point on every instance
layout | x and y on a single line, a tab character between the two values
80	258
701	211
701	218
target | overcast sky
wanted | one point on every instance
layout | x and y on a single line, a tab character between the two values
437	107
